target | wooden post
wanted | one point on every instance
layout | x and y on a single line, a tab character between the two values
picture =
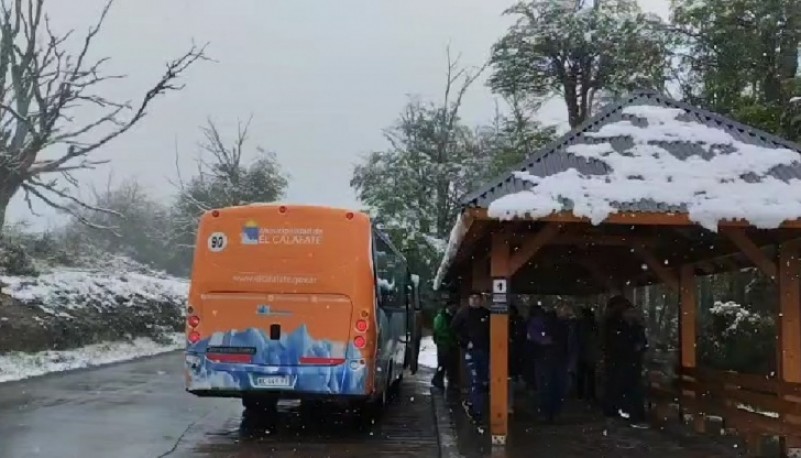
789	329
499	339
688	310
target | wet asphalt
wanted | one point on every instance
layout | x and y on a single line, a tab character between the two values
139	409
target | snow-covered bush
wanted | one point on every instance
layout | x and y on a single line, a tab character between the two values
737	338
13	258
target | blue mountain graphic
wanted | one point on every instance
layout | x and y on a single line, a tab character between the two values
283	357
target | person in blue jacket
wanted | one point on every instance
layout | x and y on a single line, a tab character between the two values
556	351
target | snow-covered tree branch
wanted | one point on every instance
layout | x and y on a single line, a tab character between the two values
579	50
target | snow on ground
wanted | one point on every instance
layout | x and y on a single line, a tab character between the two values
81	305
64	289
428	353
731	181
18	366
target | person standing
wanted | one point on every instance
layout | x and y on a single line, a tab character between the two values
471	326
631	367
447	348
555	358
614	343
529	357
517	342
588	341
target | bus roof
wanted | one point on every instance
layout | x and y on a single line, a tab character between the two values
270	206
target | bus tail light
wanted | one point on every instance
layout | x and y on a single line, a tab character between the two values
193	321
359	342
193	337
349	215
361	325
315	361
235	358
282	209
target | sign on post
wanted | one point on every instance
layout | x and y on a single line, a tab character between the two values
500	301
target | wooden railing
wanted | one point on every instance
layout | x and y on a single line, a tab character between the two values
755	406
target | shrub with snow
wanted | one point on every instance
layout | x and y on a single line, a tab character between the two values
13	258
737	338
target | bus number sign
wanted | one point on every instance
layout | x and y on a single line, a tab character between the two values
217	242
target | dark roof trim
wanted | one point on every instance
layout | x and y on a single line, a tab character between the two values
471	199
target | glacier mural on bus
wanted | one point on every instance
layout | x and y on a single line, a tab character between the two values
276	357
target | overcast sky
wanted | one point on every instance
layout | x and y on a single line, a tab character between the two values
321	79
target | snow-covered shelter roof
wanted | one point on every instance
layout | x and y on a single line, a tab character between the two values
648	153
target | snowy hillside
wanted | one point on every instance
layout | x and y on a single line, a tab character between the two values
66	318
62	290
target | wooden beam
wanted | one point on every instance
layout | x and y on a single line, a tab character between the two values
597	273
636	219
480	269
789	314
500	267
665	274
602	240
531	246
789	329
740	239
706	266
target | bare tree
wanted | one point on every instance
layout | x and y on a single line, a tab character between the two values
41	86
223	178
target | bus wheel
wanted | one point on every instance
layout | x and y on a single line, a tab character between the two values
374	408
311	407
395	387
259	404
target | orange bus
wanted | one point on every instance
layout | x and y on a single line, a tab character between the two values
297	302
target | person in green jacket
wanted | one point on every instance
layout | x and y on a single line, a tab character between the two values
447	348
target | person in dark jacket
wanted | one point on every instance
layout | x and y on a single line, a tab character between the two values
471	326
517	342
447	348
556	354
625	343
529	360
588	341
632	351
611	344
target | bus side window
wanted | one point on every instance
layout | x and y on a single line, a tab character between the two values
384	277
391	272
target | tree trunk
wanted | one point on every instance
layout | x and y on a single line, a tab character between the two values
9	186
4	201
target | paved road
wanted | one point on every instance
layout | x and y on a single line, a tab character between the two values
140	410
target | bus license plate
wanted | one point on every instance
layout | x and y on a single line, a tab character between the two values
273	381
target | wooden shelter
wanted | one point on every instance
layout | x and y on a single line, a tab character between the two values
666	193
